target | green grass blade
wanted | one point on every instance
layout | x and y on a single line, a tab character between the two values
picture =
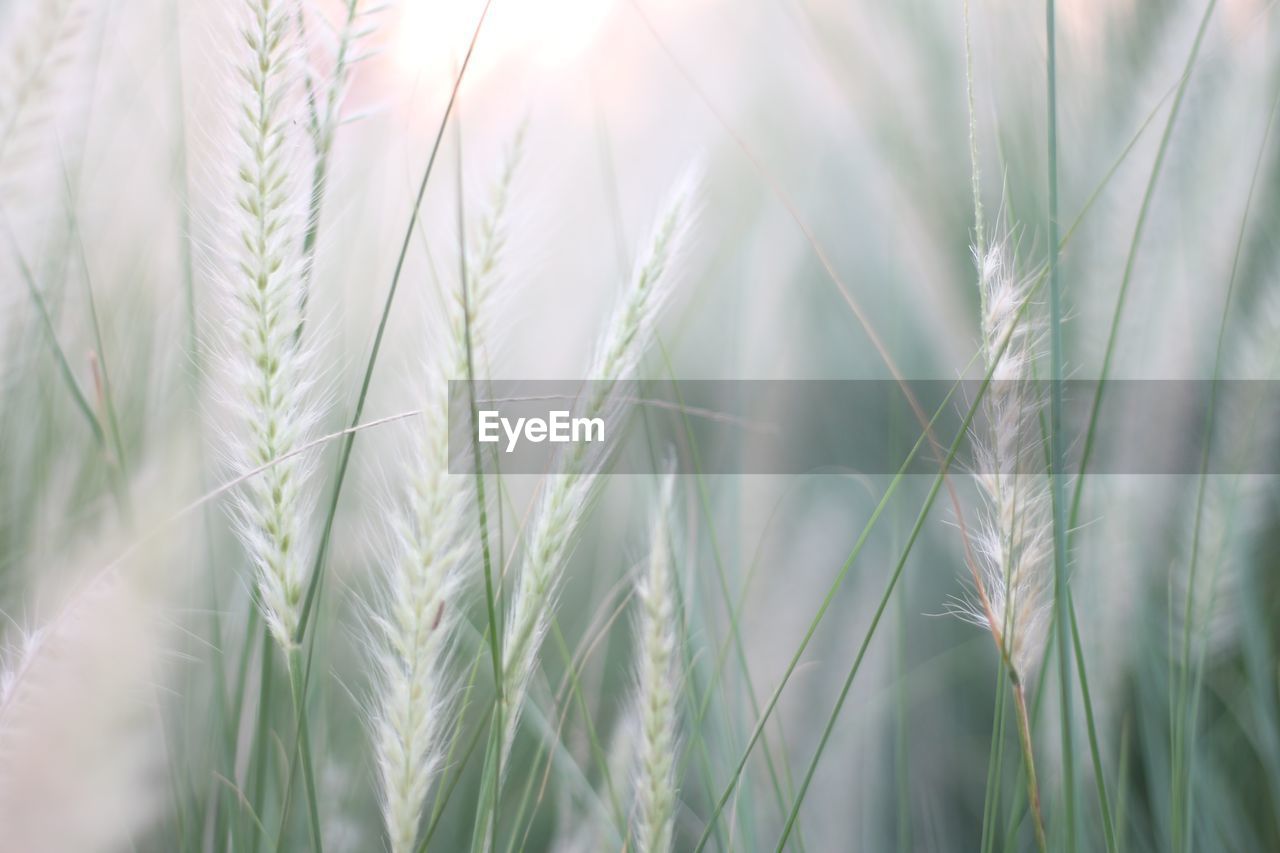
1187	709
348	440
1057	444
303	750
491	602
916	528
64	367
995	763
735	631
258	793
1095	753
822	610
1131	259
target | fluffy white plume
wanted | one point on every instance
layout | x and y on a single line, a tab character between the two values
261	248
657	694
567	494
1013	542
432	553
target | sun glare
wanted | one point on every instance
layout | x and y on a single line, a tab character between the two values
546	33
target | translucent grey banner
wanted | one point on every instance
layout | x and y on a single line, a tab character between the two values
722	427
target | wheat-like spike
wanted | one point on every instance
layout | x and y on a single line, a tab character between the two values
657	685
1013	542
432	555
567	494
272	391
1012	547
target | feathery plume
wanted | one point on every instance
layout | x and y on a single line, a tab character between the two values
567	493
657	686
264	243
1013	545
1014	539
432	552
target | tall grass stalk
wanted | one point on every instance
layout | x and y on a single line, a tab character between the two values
793	663
1185	711
567	494
882	351
1013	541
1057	441
734	640
314	581
1139	228
491	585
935	488
271	383
348	438
138	291
995	763
975	171
46	322
945	463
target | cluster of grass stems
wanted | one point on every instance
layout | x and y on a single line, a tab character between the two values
460	632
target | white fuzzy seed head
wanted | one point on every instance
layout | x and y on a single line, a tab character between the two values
269	384
657	690
433	554
566	495
1013	540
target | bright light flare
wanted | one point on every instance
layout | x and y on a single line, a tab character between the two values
430	37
